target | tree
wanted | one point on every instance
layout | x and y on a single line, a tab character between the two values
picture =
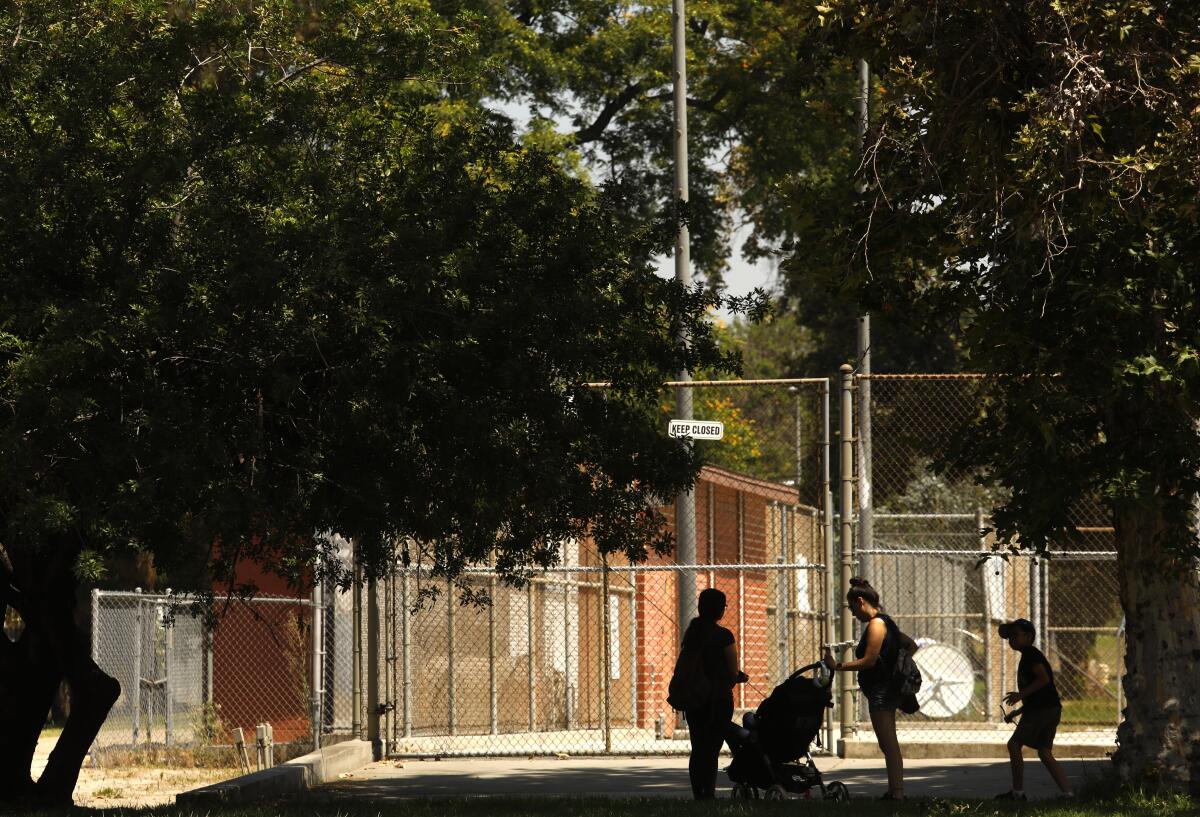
760	131
1032	167
265	273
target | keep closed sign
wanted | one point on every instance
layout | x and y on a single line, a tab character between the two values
696	429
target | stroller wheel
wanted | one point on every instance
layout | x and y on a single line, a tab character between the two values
837	792
776	792
740	792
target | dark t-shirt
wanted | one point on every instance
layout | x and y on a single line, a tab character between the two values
881	673
712	639
1047	696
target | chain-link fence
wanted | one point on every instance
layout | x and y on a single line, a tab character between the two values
923	540
188	686
578	660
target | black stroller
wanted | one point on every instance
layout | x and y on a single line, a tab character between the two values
777	735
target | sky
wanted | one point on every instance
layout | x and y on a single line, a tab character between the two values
742	275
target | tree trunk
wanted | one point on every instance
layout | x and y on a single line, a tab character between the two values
50	649
93	694
1160	593
25	693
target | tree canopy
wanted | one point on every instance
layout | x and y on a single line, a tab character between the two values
266	272
1032	170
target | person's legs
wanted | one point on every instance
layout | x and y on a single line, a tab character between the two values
696	736
1055	768
884	723
706	738
1017	763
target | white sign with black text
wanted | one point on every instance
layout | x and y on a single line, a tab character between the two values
696	429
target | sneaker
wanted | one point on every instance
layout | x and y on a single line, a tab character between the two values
1012	795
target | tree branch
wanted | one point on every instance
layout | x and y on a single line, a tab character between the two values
614	106
709	104
301	70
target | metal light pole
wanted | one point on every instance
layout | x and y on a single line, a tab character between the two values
866	524
685	505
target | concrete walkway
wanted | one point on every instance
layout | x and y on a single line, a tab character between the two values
667	777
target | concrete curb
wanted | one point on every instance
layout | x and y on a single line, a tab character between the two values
292	777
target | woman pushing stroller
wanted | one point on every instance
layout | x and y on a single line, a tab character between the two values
875	660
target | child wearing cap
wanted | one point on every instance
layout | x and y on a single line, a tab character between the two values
1041	711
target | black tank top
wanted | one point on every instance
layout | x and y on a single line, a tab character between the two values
881	673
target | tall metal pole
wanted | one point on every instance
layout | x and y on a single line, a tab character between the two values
866	523
847	511
685	505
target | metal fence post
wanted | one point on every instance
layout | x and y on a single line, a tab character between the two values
318	659
394	688
168	652
356	696
634	664
450	650
137	666
1049	642
826	532
741	550
847	510
781	600
568	703
493	701
606	672
406	652
989	697
529	602
95	624
373	708
389	664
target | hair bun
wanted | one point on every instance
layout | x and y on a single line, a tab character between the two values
859	581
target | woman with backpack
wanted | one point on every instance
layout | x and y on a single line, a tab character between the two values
875	660
708	664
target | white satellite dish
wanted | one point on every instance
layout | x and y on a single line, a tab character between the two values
949	680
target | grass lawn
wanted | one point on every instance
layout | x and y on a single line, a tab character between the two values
670	807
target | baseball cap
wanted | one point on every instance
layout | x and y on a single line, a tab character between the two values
1017	625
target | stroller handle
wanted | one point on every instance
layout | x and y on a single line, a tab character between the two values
806	668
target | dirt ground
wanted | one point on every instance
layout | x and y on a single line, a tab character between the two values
130	786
